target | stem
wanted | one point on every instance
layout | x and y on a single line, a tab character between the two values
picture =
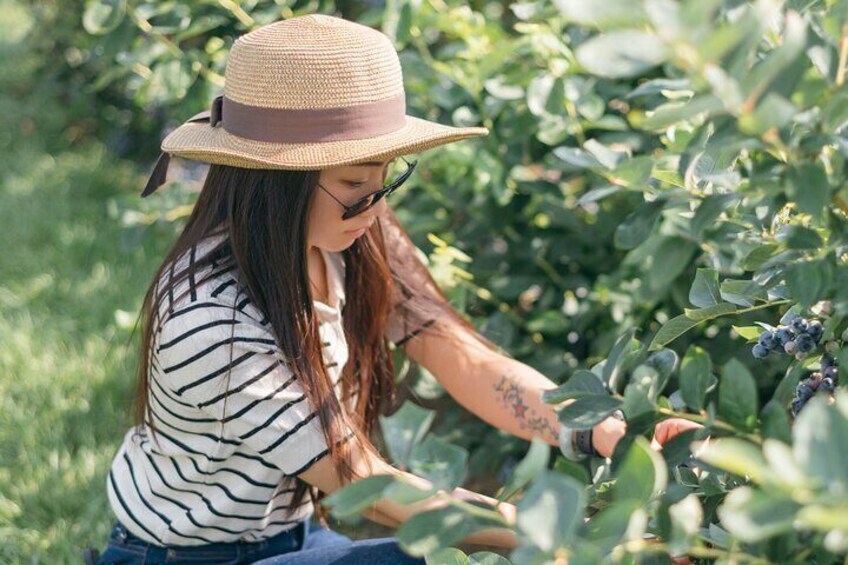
549	270
843	57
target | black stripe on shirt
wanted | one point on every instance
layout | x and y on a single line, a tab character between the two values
318	457
126	508
273	417
152	509
217	373
220	288
286	435
213	437
259	460
415	333
214	346
178	416
242	386
205	500
197	305
195	330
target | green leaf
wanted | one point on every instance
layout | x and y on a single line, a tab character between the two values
604	155
404	492
607	528
640	395
825	518
774	111
807	185
621	54
617	357
753	516
671	330
430	531
102	16
584	413
835	112
572	469
447	556
737	395
696	377
734	456
799	237
775	422
709	210
404	429
534	462
352	499
487	558
674	112
664	362
545	95
710	312
818	434
749	333
638	226
582	383
743	293
686	517
808	281
551	510
758	256
577	158
603	15
704	291
440	462
642	475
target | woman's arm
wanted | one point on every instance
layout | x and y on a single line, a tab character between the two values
323	475
502	391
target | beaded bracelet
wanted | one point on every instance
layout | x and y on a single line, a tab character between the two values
584	442
584	438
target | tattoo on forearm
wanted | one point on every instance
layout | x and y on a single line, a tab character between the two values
511	395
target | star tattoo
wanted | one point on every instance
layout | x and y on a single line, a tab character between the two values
511	395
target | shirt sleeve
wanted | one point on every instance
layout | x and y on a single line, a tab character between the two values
410	316
228	365
416	300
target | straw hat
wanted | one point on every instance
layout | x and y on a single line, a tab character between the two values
309	92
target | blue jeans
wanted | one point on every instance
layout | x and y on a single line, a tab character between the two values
306	544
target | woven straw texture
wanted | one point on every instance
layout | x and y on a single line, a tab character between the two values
311	62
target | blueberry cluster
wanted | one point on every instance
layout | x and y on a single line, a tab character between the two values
824	381
798	338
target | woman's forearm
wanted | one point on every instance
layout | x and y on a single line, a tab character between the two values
393	514
508	394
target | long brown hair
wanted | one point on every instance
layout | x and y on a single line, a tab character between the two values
264	215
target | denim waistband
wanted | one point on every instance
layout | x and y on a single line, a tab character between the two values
218	552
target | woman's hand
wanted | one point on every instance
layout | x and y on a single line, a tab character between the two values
667	429
607	434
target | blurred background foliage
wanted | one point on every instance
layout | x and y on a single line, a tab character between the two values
662	173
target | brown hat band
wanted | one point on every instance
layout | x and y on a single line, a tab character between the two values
283	125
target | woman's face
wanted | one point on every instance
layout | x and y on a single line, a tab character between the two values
348	183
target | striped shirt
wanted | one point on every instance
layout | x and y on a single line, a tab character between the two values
197	483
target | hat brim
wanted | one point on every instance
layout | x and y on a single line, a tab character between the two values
201	142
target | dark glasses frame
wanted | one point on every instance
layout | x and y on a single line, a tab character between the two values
363	204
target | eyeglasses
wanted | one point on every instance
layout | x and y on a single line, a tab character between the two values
369	200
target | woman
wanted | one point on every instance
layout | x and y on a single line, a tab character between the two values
255	393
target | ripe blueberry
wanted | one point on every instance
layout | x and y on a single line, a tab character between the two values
760	351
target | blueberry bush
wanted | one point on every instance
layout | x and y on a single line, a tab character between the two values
669	183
